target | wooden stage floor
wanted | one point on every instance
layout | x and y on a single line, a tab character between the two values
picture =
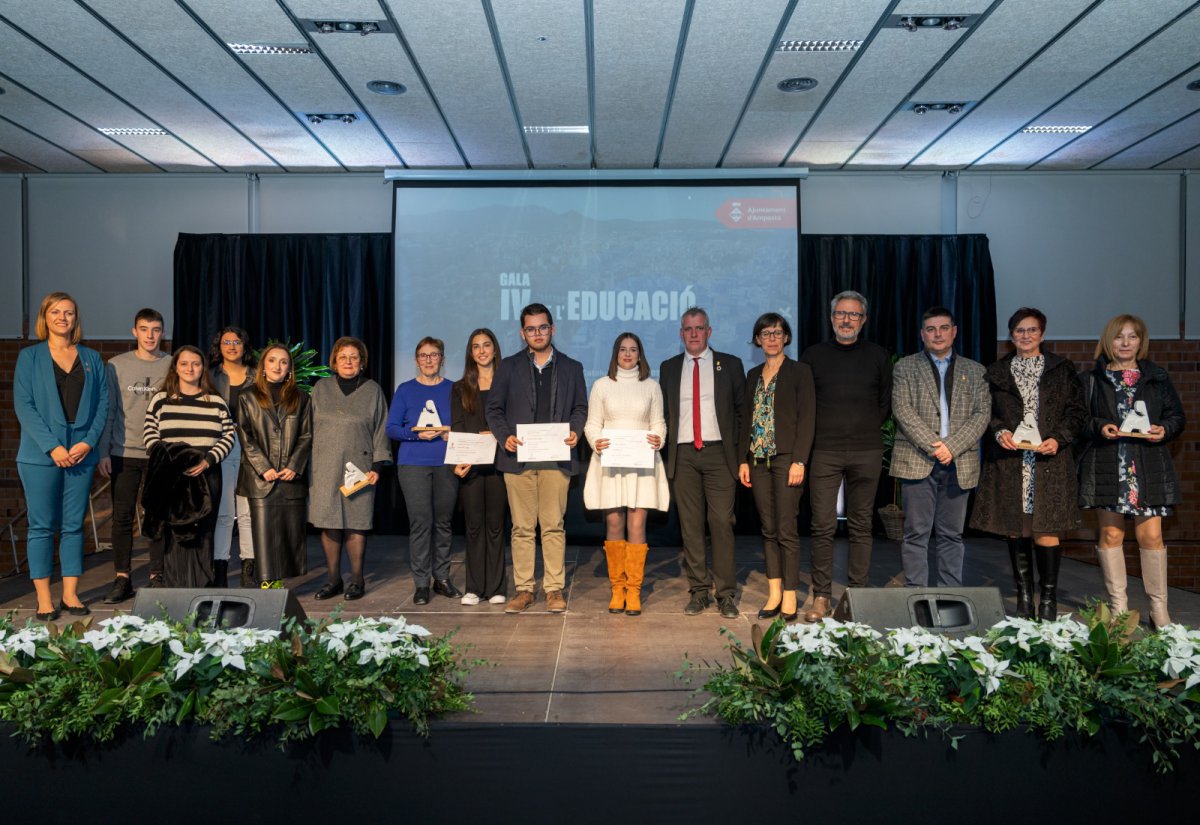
587	666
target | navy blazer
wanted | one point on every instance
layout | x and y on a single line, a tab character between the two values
35	399
511	402
729	385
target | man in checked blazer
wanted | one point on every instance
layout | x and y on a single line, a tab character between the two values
701	457
942	406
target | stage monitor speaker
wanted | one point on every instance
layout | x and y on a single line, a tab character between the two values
950	611
214	607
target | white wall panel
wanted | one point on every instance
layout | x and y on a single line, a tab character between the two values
10	256
109	240
324	203
1081	247
871	204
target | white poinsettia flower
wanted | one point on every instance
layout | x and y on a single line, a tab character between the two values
185	659
25	640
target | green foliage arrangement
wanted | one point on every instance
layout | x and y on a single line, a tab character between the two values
308	371
85	681
806	681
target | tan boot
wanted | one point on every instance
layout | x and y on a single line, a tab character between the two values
1154	579
1112	562
615	553
635	566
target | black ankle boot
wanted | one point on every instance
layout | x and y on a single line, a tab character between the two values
221	573
1048	559
1020	553
248	574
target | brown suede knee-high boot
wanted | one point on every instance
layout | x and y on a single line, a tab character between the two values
635	565
614	551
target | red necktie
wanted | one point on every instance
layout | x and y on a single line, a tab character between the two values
697	431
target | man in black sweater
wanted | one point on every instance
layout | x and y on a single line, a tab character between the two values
853	379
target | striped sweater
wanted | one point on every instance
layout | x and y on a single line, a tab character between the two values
201	421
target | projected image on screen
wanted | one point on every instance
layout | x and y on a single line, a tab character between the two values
603	258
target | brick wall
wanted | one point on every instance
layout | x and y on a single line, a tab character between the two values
1182	530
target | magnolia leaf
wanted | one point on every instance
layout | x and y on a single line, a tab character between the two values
278	673
297	646
756	639
873	720
377	719
145	662
1169	683
18	674
328	705
292	711
186	708
107	701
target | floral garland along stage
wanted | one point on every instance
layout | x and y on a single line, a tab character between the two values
805	681
87	681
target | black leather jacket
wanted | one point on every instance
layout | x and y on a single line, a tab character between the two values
270	439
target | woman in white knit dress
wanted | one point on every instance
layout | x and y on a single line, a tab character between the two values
625	399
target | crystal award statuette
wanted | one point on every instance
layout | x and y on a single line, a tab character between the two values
429	420
1026	435
1137	423
353	480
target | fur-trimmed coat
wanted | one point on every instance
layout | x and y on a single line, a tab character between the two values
170	498
1061	416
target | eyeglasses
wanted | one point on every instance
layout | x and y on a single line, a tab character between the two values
847	314
542	330
768	334
231	342
429	356
1027	330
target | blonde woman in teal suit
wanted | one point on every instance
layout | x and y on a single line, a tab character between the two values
61	399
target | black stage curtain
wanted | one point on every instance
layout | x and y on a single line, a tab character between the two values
311	288
901	276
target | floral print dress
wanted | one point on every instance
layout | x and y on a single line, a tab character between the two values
1128	501
1027	374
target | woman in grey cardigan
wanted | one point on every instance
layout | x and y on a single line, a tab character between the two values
349	420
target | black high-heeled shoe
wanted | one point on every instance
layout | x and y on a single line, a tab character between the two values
771	613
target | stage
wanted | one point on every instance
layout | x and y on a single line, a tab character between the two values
587	666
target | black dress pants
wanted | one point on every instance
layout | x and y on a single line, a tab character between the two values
704	490
126	480
826	470
484	500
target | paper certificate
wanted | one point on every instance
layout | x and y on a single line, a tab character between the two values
627	449
471	448
543	442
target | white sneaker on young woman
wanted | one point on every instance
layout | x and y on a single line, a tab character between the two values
470	599
499	598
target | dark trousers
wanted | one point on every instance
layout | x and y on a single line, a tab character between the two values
126	480
429	496
778	507
704	489
484	501
860	470
189	562
934	503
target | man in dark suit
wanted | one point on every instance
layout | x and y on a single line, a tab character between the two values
538	385
704	404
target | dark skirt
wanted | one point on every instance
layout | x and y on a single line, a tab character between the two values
189	562
277	524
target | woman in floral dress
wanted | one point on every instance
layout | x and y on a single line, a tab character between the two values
1130	477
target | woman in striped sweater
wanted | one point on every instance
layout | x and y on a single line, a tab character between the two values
189	413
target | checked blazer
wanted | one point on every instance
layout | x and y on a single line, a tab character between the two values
915	405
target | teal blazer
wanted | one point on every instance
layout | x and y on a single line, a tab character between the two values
35	398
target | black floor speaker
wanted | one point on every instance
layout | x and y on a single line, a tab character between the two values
950	611
214	607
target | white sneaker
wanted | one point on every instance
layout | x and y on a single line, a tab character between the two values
470	598
499	598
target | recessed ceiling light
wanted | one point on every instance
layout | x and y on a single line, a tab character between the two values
932	22
386	87
818	45
796	84
1194	86
137	132
1055	130
556	130
363	27
267	48
316	118
952	107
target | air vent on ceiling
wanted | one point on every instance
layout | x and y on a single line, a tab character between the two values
136	132
556	130
268	48
386	87
1055	130
818	45
796	84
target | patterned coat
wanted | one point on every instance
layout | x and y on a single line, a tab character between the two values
915	397
1061	416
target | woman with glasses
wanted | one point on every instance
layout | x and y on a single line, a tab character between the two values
232	367
349	420
775	442
419	418
275	427
60	395
627	398
1125	477
1027	489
